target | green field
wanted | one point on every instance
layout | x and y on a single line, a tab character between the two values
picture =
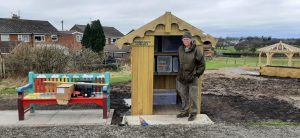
223	62
120	77
227	49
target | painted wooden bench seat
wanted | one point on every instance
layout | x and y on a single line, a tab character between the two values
40	92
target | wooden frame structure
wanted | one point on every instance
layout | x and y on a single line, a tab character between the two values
142	40
279	71
281	48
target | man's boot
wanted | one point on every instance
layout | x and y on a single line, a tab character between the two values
181	115
192	117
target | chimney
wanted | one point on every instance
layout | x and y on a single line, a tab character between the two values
62	25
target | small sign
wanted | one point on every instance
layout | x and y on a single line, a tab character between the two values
142	43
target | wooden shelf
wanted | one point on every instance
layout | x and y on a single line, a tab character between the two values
165	54
165	73
164	90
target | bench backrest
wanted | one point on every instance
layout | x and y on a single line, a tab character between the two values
39	86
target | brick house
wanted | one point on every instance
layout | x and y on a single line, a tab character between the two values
70	39
111	36
15	30
111	33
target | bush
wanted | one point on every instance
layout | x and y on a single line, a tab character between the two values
19	62
54	59
87	60
40	59
50	59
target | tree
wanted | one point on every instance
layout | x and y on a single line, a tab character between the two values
94	37
86	38
98	37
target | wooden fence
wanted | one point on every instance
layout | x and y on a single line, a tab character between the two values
2	67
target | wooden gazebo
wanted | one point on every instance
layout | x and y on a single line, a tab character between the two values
279	71
280	48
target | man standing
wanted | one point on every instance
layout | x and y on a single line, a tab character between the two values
192	65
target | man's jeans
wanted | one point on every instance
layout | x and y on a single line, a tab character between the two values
188	93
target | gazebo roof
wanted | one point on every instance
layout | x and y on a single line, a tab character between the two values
279	48
167	20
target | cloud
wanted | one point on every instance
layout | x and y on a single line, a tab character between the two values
276	18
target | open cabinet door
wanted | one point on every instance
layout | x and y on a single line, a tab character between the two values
142	54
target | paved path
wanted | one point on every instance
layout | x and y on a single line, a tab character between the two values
202	119
55	117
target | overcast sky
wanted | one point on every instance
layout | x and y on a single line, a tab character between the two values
220	18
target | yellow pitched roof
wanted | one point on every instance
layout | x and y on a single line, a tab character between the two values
167	19
280	48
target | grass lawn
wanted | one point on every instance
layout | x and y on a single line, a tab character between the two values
120	77
9	86
227	49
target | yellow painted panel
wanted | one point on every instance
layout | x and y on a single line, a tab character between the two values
142	76
200	93
144	81
280	71
135	84
165	82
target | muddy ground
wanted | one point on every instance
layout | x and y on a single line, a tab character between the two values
229	99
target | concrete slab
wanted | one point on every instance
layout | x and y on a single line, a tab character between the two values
55	117
166	109
295	98
202	119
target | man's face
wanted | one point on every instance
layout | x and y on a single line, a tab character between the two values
186	41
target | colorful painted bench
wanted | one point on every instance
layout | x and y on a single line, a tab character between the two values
40	92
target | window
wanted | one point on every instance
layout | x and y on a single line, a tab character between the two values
5	38
79	37
39	38
113	40
167	43
54	38
23	38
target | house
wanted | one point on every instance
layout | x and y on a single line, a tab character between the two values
15	30
111	33
111	36
70	39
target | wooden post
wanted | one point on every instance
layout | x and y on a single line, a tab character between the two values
290	57
200	93
20	106
268	56
0	67
259	59
271	57
104	107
